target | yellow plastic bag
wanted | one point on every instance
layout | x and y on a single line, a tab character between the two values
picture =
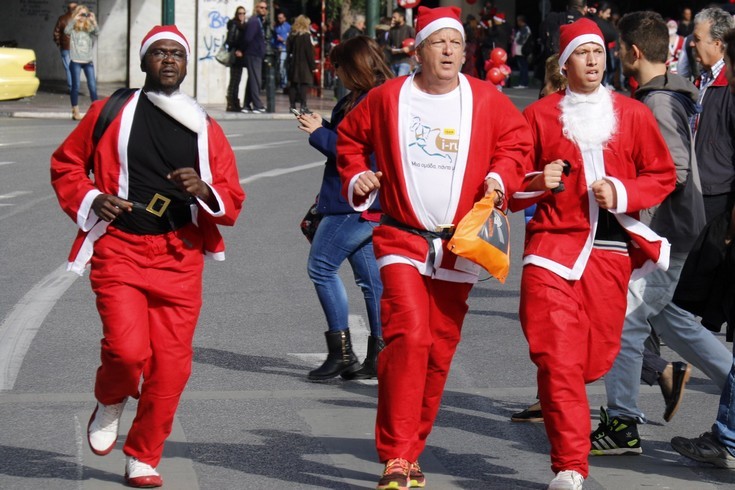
483	236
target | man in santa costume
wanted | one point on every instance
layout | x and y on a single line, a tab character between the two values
442	140
585	240
164	178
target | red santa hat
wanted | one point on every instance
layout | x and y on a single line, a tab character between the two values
163	32
499	17
572	36
431	20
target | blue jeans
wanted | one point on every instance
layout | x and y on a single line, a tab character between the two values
724	427
76	70
340	237
400	69
283	76
649	305
65	60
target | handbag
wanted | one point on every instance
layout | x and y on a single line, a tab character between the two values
483	236
311	221
224	56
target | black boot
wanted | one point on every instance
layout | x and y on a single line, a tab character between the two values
340	359
369	369
233	104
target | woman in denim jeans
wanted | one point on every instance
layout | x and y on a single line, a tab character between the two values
83	31
344	233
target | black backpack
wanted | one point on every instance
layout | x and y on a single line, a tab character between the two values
111	108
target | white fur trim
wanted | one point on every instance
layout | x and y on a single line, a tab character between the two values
86	217
528	195
351	195
164	35
440	23
496	176
622	195
182	108
577	42
87	248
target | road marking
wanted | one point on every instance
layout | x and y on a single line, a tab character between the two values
265	146
14	194
280	171
21	325
15	143
79	442
6	163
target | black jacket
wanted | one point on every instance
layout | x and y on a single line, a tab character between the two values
707	282
300	59
715	139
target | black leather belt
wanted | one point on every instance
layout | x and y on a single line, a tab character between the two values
172	216
442	232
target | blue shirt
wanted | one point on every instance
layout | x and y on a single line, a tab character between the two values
282	31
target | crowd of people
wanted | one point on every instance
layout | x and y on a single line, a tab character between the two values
623	192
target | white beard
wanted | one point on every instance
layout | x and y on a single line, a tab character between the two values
181	107
588	120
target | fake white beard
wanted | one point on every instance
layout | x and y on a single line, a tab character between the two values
181	107
588	120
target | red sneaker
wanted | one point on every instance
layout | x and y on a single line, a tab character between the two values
416	477
395	475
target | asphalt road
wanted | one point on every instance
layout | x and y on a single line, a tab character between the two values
249	418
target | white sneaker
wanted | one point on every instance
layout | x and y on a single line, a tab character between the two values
141	475
103	427
567	480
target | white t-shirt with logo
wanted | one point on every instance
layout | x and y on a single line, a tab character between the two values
433	145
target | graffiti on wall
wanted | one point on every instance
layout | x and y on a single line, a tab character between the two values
214	36
36	8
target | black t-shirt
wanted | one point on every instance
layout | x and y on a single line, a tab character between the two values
158	145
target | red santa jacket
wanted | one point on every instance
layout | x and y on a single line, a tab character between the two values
636	161
494	141
73	161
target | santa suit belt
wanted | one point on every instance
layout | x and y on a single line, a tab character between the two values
444	232
175	216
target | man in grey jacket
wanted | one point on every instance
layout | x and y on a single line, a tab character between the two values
680	218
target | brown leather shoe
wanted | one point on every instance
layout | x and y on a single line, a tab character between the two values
672	387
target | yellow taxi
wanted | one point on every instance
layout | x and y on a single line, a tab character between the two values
17	73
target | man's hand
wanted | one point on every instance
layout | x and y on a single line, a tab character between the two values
367	183
605	194
552	174
187	179
492	185
108	207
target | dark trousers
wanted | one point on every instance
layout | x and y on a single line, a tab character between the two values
234	87
297	92
716	204
254	66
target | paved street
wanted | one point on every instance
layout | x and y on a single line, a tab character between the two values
249	418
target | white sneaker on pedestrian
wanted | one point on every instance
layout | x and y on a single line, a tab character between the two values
103	427
567	480
141	475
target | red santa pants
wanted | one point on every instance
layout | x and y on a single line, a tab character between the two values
149	294
422	320
573	330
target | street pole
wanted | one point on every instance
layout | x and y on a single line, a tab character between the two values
372	9
169	11
270	62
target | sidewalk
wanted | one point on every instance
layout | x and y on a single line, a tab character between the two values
52	102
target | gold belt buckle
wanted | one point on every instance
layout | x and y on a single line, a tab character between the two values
443	228
151	208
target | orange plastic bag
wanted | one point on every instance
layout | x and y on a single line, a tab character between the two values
483	236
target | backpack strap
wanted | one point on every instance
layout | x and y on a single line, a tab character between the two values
110	110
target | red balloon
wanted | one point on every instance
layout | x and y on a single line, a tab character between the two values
489	65
495	76
499	56
410	43
505	70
